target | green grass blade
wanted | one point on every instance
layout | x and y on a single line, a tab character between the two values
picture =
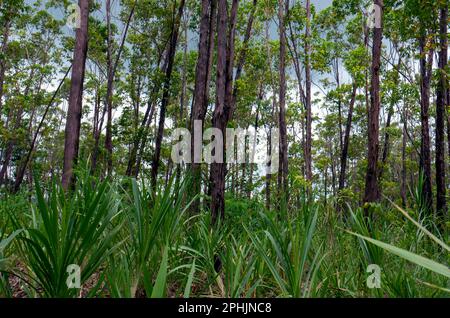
414	258
159	288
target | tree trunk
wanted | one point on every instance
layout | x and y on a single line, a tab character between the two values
425	152
283	160
372	192
253	144
166	92
201	91
404	138
308	140
441	103
387	136
112	68
73	123
224	89
348	127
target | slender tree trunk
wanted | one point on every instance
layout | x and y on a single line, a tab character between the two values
272	119
387	136
372	191
441	103
166	92
183	95
143	142
345	145
308	140
283	160
224	90
253	144
425	152
109	91
201	91
338	85
97	135
112	68
73	123
404	139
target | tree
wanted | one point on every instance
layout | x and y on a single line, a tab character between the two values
283	160
226	29
202	82
441	103
426	67
111	73
308	139
372	191
73	123
166	91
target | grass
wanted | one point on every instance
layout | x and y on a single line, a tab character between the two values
132	242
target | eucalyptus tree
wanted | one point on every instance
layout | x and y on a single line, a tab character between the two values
441	102
73	122
372	191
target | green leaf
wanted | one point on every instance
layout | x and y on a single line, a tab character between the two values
160	283
414	258
187	289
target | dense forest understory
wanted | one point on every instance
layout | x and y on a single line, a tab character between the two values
224	148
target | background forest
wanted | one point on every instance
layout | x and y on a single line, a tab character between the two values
92	204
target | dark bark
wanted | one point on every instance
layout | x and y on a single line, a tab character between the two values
441	103
112	68
345	145
404	138
73	123
166	92
425	152
224	88
308	140
201	91
143	142
283	159
372	192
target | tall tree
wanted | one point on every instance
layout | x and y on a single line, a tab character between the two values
73	122
426	67
441	103
226	30
346	142
166	91
111	73
372	191
283	159
201	91
308	139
